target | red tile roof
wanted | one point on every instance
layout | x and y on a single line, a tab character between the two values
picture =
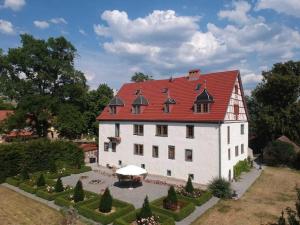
89	147
19	133
5	113
220	85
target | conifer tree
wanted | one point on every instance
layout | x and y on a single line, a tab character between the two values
106	202
171	201
59	185
41	181
189	186
146	211
78	192
24	173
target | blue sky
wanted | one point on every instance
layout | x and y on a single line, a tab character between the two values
114	39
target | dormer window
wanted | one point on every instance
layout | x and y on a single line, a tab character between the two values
203	102
168	104
138	104
167	108
114	104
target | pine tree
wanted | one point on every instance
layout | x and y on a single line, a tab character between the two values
41	181
106	202
59	185
78	192
146	211
171	201
189	186
24	173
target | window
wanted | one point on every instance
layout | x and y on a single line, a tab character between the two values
189	131
143	166
229	154
198	108
106	146
202	108
169	173
167	108
171	152
228	135
205	107
138	129
236	150
236	89
120	162
155	151
113	147
136	109
242	148
117	130
188	155
113	109
162	130
236	109
191	175
138	149
242	129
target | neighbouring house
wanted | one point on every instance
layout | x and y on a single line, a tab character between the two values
22	134
4	114
90	152
195	125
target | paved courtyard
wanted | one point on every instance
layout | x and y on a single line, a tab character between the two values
134	196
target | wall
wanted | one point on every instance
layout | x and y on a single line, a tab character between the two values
205	146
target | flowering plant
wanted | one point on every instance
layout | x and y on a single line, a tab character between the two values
195	194
50	189
152	220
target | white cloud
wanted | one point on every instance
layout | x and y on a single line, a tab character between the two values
6	27
41	24
289	7
58	20
14	4
82	32
238	14
249	78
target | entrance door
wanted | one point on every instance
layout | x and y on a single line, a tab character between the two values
92	160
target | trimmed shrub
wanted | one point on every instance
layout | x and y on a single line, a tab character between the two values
78	192
28	188
145	211
66	199
240	167
41	181
279	153
105	202
59	185
189	186
15	181
220	188
204	197
171	201
50	196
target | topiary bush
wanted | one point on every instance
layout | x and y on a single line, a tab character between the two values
41	181
279	153
189	186
145	211
78	192
59	185
106	202
171	201
220	188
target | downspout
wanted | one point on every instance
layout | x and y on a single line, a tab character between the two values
220	156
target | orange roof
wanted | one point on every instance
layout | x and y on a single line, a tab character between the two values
89	147
184	91
20	133
4	114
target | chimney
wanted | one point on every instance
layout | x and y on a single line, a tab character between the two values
194	74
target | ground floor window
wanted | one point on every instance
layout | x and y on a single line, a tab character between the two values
143	166
138	149
169	173
106	146
229	175
242	148
120	162
236	150
229	154
189	155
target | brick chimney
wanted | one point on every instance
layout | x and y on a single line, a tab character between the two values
194	74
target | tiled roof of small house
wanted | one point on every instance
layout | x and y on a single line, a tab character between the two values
4	114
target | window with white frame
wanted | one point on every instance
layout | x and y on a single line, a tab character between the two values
189	155
138	129
138	149
237	150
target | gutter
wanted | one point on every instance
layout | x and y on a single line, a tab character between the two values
220	157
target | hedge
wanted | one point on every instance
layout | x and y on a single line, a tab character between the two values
13	181
199	200
130	217
62	200
42	193
36	155
241	166
28	188
157	206
88	210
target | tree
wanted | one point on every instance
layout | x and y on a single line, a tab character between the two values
220	188
171	201
106	202
78	192
5	105
59	185
189	185
41	181
145	211
274	105
140	77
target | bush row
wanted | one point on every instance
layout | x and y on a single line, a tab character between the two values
189	207
42	193
240	167
36	155
63	200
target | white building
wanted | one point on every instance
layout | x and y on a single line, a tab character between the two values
194	125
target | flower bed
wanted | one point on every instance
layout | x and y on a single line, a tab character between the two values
66	200
198	197
30	185
129	218
15	180
90	210
48	192
186	208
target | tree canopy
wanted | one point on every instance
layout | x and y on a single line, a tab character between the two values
140	77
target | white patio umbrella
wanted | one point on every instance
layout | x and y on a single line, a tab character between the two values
131	170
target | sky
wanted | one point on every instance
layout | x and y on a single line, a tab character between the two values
116	38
